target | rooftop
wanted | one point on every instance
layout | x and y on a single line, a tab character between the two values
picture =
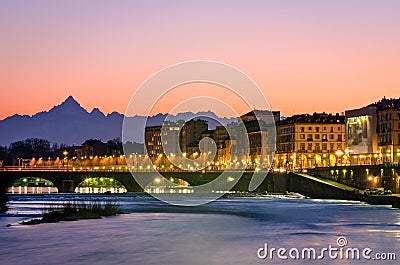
314	118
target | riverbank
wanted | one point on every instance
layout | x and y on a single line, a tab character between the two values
393	200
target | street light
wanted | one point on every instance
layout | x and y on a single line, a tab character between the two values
65	153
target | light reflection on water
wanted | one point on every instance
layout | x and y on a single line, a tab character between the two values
228	231
48	190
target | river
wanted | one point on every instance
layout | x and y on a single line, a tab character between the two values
227	231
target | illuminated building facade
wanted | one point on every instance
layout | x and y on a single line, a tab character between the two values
361	135
310	140
170	136
163	140
388	129
157	138
152	139
259	126
224	145
373	132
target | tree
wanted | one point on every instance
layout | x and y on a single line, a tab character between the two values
29	148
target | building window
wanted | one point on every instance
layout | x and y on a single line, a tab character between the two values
302	136
331	136
324	128
324	147
317	148
309	137
317	129
339	146
338	128
310	128
324	137
332	147
309	146
302	147
317	137
339	137
331	129
301	129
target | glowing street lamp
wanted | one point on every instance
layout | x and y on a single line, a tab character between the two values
65	153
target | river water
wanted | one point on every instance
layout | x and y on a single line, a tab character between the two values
227	231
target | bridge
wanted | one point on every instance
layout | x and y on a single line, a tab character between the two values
342	182
66	180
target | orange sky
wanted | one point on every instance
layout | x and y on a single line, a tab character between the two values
306	56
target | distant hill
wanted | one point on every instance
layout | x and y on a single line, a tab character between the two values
70	123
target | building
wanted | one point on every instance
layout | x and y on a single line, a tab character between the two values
260	127
261	115
190	136
170	137
373	132
388	130
207	143
114	147
223	144
91	148
310	140
220	136
361	132
153	143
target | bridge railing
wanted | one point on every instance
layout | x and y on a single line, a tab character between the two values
101	169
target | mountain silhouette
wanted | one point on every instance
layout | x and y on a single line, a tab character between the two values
70	123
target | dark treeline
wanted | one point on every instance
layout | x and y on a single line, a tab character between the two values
41	148
30	148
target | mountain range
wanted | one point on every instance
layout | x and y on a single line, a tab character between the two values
69	123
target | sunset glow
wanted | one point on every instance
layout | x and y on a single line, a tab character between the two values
306	56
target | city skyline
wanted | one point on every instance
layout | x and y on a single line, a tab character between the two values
307	57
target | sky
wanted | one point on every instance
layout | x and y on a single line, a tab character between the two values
306	56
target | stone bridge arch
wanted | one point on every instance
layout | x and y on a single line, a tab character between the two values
7	178
26	181
99	182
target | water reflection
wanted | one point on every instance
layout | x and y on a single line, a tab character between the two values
31	190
